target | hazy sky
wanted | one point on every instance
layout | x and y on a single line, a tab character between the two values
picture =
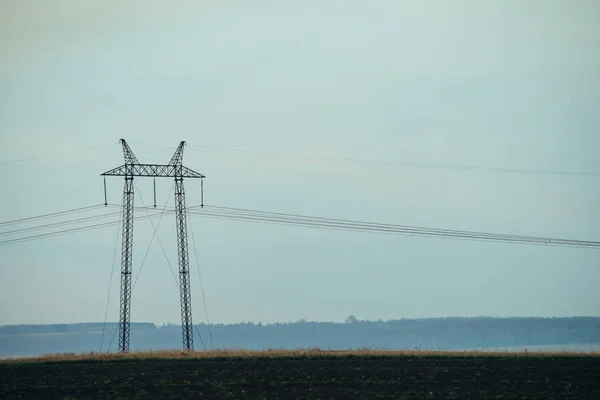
507	84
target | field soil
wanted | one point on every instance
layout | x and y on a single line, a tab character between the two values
316	376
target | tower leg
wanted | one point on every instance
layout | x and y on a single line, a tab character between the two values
184	270
126	263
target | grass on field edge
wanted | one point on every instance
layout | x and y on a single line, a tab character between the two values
229	354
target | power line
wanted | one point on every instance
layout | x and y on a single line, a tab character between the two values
113	338
56	154
200	337
50	215
59	233
465	236
375	162
201	286
112	272
155	234
233	210
59	223
71	230
320	222
69	166
258	216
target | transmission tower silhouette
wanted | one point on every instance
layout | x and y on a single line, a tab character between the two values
174	169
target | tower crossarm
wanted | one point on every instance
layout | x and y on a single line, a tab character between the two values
154	170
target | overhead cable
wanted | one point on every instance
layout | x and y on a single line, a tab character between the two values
258	216
374	162
50	215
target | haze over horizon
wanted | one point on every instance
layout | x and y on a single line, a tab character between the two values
497	84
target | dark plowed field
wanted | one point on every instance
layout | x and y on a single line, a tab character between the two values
348	378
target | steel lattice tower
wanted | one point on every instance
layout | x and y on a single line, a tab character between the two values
174	169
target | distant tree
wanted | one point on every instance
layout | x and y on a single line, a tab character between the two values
351	319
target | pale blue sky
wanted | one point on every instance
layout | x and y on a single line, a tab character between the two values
507	84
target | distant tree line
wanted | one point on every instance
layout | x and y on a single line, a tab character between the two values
432	333
69	328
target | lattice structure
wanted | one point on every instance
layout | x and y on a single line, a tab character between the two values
184	267
126	264
173	169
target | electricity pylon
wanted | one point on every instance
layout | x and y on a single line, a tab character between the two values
174	169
